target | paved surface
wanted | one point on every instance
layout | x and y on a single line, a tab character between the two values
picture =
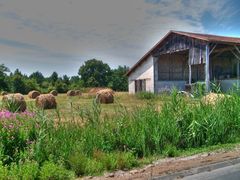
220	164
229	170
226	173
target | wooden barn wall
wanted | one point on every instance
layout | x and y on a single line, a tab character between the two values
223	67
177	43
198	72
172	67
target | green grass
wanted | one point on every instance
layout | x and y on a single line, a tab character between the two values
87	138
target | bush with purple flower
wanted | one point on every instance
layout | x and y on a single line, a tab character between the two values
17	133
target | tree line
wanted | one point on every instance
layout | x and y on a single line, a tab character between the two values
93	73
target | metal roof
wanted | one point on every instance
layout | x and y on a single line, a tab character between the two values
204	37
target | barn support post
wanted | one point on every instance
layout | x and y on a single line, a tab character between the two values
237	55
207	76
155	73
190	74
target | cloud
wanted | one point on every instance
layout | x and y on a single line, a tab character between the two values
60	32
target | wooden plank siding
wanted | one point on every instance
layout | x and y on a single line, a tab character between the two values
172	67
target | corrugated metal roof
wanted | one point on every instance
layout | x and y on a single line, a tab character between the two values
204	37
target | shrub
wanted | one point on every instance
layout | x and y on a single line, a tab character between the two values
3	171
198	89
78	163
145	95
17	133
108	160
27	170
126	160
14	102
50	170
170	151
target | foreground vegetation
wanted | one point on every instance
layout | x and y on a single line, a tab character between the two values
42	145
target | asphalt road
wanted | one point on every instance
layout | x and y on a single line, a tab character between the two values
226	173
226	170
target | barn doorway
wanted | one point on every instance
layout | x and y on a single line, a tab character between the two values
140	85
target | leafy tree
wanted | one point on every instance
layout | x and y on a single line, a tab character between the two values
95	73
17	72
119	80
3	70
18	84
3	82
60	86
53	78
38	76
75	83
66	80
31	84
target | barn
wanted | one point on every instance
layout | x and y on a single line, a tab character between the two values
181	59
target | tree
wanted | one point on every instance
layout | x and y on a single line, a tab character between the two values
3	82
53	78
38	76
60	86
17	72
95	73
18	84
66	79
3	70
119	80
75	83
31	84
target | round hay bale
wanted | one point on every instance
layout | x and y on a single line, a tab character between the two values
3	93
212	98
33	94
14	102
54	92
71	93
46	101
95	90
105	96
78	93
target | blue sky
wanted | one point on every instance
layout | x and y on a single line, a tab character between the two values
59	35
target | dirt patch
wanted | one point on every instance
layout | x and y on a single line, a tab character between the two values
171	165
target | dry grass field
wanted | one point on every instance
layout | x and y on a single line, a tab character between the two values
68	106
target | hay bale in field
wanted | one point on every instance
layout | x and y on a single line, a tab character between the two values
105	96
71	93
95	90
33	94
78	93
46	101
3	93
54	92
212	98
14	102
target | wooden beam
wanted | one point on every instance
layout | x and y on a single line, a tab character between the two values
212	49
237	49
238	57
207	76
223	49
238	74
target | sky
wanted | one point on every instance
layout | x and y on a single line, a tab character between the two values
59	35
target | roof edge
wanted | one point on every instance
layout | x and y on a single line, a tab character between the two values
199	36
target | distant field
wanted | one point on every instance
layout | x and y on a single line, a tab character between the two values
67	105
